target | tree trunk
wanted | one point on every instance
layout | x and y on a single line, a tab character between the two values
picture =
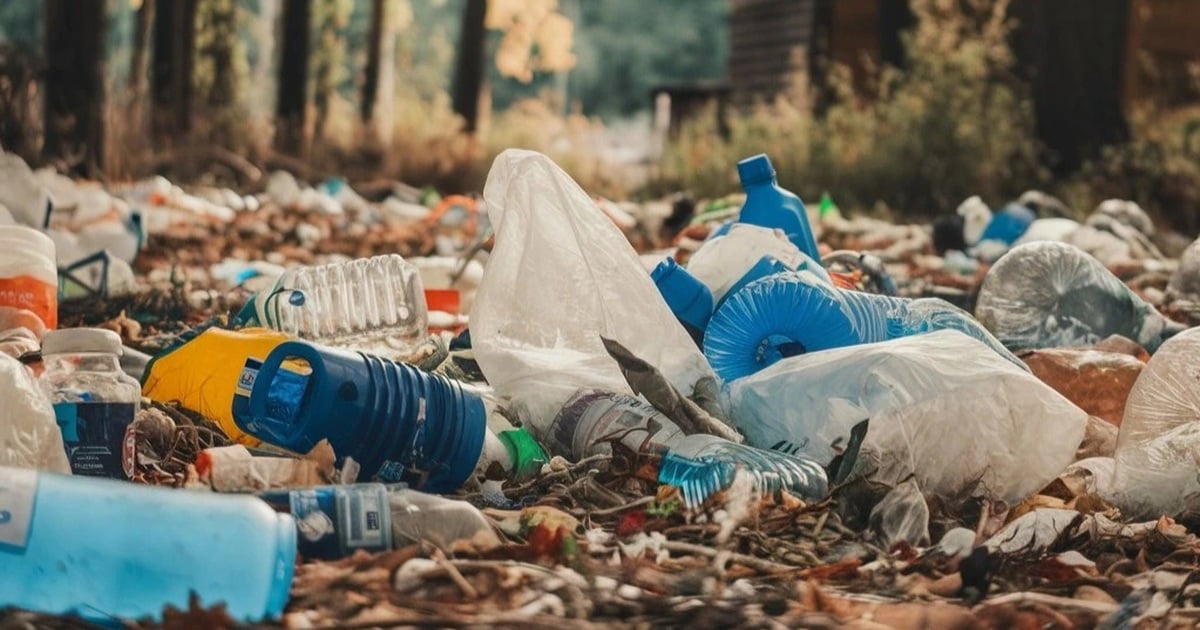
1073	53
139	74
218	57
174	58
74	85
378	83
291	106
468	74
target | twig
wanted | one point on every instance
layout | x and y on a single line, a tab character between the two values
457	577
621	508
1097	608
758	564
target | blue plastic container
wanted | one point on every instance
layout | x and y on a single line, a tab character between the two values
690	300
111	550
1009	224
400	424
787	314
701	465
769	205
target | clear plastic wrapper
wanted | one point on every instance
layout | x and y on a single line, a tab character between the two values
942	407
1049	295
29	436
1158	447
560	277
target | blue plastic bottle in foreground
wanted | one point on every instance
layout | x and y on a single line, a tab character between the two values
769	205
110	550
689	299
700	465
400	424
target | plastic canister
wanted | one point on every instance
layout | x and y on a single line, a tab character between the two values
689	299
28	273
399	423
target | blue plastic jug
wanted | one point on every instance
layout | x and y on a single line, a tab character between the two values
689	299
398	423
1008	225
110	550
769	205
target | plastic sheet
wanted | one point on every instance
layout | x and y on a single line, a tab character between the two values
1158	447
722	261
29	435
942	407
1047	295
560	277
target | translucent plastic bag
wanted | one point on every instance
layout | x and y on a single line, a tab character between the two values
1052	295
29	435
722	261
942	407
562	275
1158	447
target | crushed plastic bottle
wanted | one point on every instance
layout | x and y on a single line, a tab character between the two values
789	314
1158	446
371	304
139	550
398	423
95	402
1048	295
699	464
29	437
942	406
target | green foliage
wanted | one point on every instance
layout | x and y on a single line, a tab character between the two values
953	123
21	21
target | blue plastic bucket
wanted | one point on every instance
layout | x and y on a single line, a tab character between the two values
398	423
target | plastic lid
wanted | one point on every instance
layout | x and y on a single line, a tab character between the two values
524	451
756	170
72	340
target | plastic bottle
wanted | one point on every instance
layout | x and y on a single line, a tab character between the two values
107	550
699	464
374	304
1155	458
769	205
420	517
789	314
95	402
29	273
689	299
29	437
400	424
336	521
1049	295
1009	224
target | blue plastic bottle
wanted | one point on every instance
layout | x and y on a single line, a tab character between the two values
110	550
689	299
700	465
400	424
769	205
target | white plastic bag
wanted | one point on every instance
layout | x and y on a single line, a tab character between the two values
942	406
560	276
1158	447
721	262
29	435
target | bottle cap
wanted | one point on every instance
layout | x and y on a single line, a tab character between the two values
73	340
524	451
756	170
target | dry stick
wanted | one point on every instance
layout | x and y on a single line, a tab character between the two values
621	508
820	524
758	564
457	577
1099	608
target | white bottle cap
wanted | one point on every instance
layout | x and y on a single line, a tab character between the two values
72	340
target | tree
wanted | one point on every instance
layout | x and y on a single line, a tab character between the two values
291	106
468	72
140	66
220	65
174	59
331	19
74	85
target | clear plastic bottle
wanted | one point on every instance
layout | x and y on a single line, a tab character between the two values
94	400
702	464
374	304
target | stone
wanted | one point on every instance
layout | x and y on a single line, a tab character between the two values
1097	382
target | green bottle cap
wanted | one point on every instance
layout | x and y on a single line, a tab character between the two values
526	454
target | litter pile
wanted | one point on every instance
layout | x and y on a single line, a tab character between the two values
318	408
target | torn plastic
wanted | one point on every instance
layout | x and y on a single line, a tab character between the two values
1158	447
29	435
942	407
789	314
1047	295
1033	532
902	516
560	277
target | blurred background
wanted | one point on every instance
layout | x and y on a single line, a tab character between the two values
897	107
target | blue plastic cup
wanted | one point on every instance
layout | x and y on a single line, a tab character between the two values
398	423
690	300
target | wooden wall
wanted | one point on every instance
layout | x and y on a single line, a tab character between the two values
769	45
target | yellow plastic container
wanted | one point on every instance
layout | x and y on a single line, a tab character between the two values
203	374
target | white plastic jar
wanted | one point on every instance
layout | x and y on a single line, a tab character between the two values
28	273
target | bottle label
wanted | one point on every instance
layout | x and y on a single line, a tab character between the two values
245	382
95	436
590	422
336	521
18	487
29	293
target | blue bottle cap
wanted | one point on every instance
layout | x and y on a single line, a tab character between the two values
756	170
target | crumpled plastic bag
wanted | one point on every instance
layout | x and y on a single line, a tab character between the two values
1158	447
560	277
1053	295
942	406
29	434
722	261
